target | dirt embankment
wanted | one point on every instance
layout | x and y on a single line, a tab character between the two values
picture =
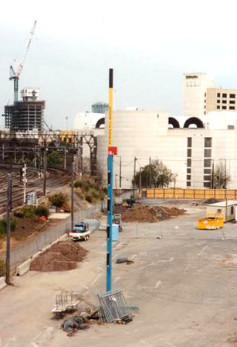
150	214
60	257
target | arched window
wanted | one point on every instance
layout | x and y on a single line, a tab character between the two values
193	121
100	123
173	123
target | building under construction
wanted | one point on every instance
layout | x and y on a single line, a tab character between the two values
27	114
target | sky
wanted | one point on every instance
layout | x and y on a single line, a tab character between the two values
149	44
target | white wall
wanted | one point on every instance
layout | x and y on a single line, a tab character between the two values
144	134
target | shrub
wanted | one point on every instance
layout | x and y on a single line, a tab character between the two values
25	212
3	226
78	184
89	198
42	211
2	268
58	200
95	195
104	189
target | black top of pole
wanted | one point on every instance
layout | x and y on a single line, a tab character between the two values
111	78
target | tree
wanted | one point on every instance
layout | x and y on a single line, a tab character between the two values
155	174
53	158
220	177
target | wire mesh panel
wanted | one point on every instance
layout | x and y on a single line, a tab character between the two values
113	307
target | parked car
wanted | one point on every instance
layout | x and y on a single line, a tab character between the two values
80	232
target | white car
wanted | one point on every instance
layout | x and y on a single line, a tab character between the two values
80	232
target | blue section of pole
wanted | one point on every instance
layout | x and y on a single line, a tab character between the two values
109	224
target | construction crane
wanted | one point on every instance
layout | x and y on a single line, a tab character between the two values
15	75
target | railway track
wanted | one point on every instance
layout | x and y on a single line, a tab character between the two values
55	178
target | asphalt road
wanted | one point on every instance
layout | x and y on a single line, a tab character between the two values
184	282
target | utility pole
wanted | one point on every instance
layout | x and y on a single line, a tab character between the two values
111	152
65	158
140	181
45	171
134	173
8	250
120	172
72	195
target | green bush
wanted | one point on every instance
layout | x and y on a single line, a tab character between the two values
3	226
104	189
89	198
78	184
2	268
95	195
58	199
25	212
42	211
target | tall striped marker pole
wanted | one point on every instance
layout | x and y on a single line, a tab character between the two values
110	188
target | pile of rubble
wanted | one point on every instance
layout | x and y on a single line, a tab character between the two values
60	257
150	214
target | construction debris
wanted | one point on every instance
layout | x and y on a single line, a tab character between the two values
124	260
150	214
66	302
71	324
113	308
60	257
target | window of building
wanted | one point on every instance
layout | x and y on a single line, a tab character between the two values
188	177
189	142
232	107
219	210
188	170
208	141
204	112
218	107
189	152
189	162
188	184
232	96
207	178
218	95
232	102
224	95
207	162
224	101
207	153
230	127
218	101
205	94
207	184
223	107
207	171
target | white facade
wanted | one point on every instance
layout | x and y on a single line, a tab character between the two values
146	135
194	89
89	120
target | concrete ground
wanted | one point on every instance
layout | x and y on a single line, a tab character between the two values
184	282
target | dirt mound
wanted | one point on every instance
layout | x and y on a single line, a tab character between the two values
60	257
150	214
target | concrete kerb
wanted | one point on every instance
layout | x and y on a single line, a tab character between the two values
25	267
2	283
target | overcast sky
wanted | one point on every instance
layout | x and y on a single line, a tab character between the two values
148	43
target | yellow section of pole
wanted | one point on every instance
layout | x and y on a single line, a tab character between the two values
110	119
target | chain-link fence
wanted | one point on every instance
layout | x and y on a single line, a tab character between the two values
31	247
